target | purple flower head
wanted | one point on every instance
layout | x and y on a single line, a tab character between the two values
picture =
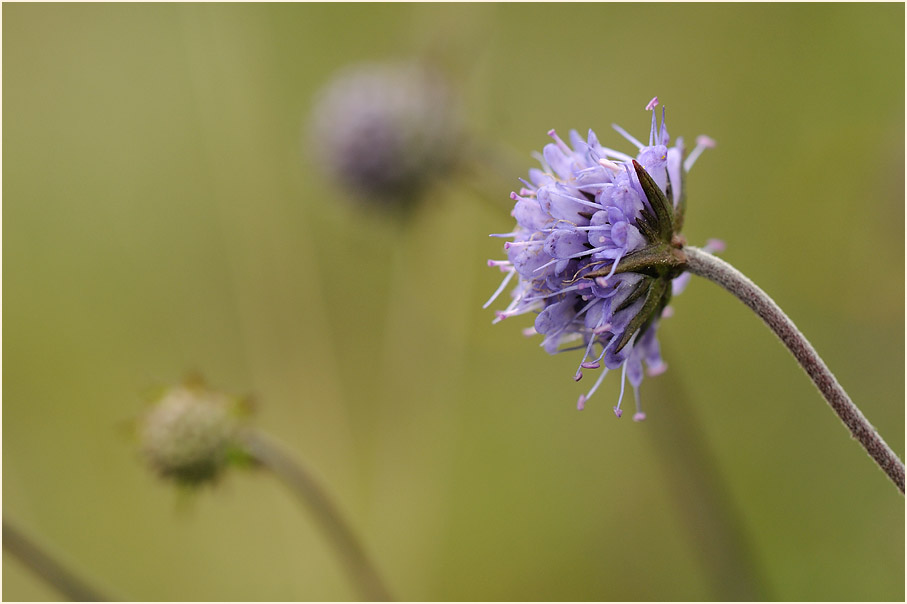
386	131
594	227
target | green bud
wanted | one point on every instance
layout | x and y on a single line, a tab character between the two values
189	434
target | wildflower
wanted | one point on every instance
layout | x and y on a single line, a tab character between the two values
596	248
386	131
189	434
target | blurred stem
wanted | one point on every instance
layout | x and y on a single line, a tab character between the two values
49	569
709	512
714	269
300	480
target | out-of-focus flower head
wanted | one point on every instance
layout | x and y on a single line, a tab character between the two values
385	131
593	251
189	435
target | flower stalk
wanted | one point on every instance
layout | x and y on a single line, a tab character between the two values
297	477
50	569
720	272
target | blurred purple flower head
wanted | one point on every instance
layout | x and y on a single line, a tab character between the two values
386	131
585	211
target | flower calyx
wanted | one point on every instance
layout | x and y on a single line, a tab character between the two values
659	262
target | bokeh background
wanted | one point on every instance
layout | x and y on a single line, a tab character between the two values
161	214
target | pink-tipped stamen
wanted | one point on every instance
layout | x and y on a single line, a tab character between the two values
714	246
702	143
652	104
560	143
639	415
582	363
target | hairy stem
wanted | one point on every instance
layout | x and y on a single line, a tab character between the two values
714	269
360	568
51	570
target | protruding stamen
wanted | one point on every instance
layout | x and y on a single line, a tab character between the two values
702	143
609	164
504	314
560	143
585	397
639	415
616	154
577	287
501	287
510	244
652	104
663	135
623	383
668	312
582	363
603	281
581	201
651	107
627	136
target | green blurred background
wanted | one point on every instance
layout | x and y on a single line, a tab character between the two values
160	216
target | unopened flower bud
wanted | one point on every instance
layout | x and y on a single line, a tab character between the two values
187	436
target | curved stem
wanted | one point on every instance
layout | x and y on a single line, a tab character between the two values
75	589
714	269
361	570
